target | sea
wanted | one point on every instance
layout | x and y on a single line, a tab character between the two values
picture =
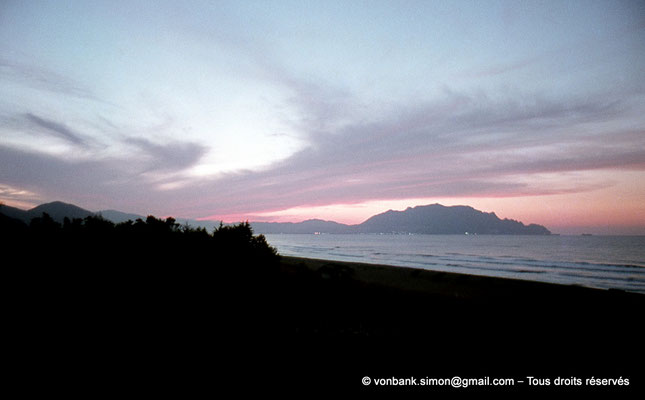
606	262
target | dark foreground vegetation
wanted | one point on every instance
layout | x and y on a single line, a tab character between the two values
152	305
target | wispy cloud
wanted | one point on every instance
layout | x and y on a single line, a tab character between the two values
41	78
56	129
500	69
460	146
172	156
18	197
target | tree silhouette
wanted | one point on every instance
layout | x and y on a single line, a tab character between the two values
44	226
154	242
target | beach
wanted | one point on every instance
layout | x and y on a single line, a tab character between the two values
387	301
457	286
397	321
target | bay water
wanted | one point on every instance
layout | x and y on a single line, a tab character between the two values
606	262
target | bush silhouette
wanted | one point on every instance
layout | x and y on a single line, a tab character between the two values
155	242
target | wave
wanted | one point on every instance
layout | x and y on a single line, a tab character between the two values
608	267
554	264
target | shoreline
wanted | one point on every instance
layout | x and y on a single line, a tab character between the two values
605	264
401	320
450	284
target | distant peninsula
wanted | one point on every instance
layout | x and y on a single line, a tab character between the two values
427	219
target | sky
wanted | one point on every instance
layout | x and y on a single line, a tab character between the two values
290	110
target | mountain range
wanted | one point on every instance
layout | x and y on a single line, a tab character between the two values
59	210
428	219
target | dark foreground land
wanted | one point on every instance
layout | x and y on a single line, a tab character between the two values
214	313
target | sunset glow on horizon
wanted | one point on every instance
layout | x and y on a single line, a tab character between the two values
285	111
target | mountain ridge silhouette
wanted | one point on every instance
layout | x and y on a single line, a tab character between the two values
424	219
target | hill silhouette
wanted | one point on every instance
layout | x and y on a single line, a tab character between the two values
438	219
308	226
428	219
15	213
57	210
117	216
